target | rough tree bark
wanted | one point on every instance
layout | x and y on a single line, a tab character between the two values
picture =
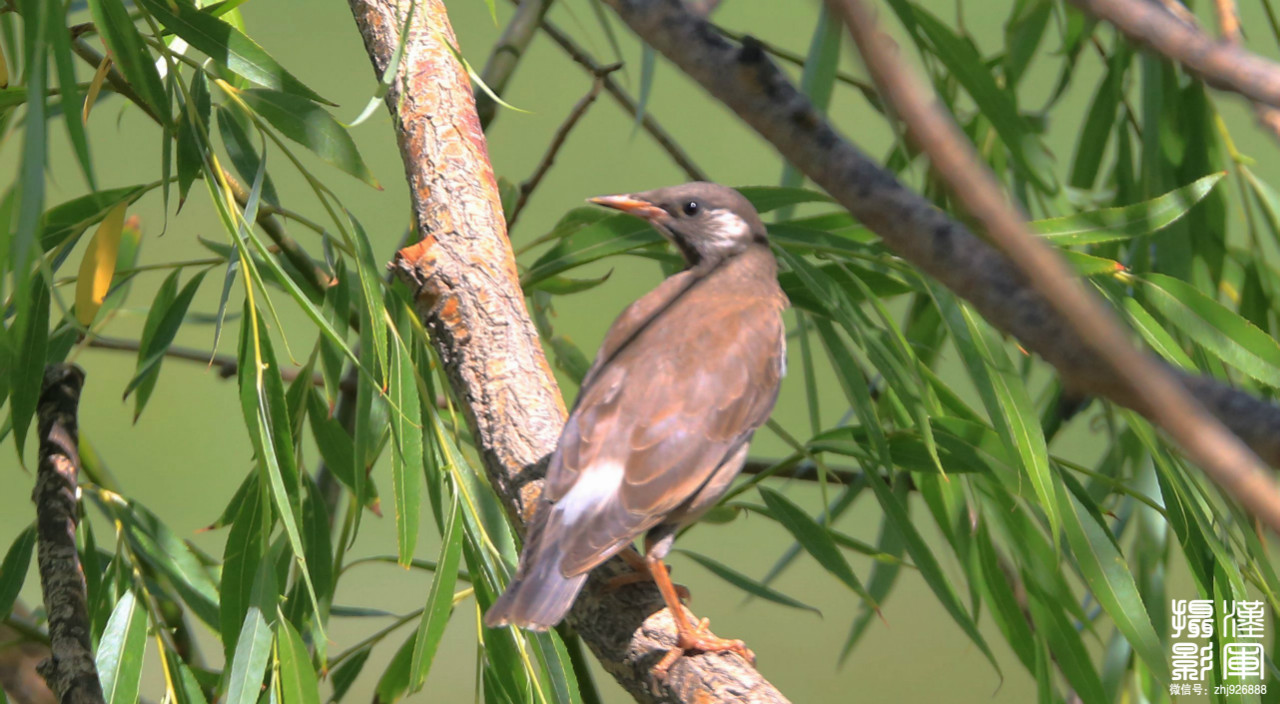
70	669
468	295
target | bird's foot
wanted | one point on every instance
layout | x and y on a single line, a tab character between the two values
701	639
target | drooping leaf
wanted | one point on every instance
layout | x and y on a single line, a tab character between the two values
227	45
253	650
98	266
120	651
13	570
311	126
130	54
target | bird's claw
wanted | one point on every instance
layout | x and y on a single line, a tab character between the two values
702	640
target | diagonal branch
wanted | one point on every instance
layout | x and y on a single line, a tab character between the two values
1154	390
1223	65
749	84
70	669
467	292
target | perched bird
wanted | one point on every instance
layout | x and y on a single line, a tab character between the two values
683	379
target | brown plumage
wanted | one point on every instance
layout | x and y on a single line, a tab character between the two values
683	379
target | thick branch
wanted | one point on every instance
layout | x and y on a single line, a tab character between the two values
70	670
468	294
1222	65
744	79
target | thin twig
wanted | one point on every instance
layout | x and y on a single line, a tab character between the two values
506	55
312	274
1155	390
70	670
227	365
557	141
647	123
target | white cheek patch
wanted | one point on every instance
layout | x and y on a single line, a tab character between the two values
594	488
728	230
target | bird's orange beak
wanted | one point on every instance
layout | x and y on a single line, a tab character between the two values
631	205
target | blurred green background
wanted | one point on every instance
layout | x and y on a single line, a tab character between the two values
188	451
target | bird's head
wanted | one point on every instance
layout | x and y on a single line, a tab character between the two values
706	221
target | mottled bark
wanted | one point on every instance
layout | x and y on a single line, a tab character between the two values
70	670
744	79
468	294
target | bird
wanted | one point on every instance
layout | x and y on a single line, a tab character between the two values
664	415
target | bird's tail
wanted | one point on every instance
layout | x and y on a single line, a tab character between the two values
540	595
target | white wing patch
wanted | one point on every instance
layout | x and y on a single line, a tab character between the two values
593	489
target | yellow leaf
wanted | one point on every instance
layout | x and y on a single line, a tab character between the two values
94	87
98	265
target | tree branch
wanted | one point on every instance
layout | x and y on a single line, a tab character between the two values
70	670
557	141
1153	389
468	295
1221	65
748	83
506	55
647	123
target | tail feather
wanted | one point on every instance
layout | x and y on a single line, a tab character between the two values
537	599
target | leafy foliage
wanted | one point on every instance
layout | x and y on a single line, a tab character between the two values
1064	558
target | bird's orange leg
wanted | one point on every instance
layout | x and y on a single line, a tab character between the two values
640	573
688	636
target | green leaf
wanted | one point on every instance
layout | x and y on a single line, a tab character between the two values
311	126
130	54
159	330
120	651
246	546
253	649
165	553
13	570
925	561
746	583
227	45
27	374
815	540
996	103
298	683
243	155
439	601
64	62
608	237
67	220
193	136
34	154
1068	650
344	675
407	457
884	575
1214	327
1111	582
266	415
1114	224
395	679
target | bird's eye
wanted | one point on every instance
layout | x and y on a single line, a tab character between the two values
691	208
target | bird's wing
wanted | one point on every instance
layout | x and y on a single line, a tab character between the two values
652	427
